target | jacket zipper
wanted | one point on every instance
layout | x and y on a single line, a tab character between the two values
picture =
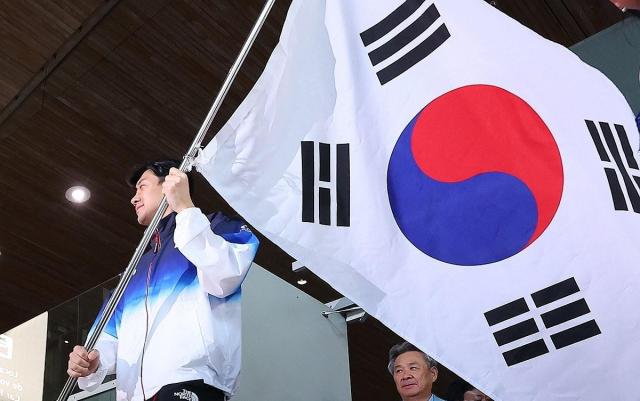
156	248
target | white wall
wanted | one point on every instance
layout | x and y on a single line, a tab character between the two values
290	351
22	352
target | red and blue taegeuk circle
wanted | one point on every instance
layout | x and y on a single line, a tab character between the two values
475	177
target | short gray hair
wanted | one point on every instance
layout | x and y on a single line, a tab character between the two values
403	347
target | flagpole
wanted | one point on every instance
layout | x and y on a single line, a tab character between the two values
185	166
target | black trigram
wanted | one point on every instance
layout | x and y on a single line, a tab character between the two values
572	307
402	43
617	169
323	188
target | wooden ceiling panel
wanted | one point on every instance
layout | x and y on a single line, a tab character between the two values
546	23
30	33
13	78
563	21
591	16
20	47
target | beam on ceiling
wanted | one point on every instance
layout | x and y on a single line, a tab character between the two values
58	57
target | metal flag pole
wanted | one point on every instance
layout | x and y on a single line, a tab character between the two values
184	167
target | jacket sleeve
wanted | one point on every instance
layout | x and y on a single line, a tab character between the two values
107	346
221	250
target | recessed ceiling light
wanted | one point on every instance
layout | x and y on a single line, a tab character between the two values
66	341
302	281
77	194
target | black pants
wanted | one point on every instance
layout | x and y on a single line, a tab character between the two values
195	390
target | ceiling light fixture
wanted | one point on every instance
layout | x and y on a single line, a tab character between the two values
302	281
77	194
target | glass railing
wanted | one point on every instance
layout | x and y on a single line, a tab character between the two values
34	355
68	325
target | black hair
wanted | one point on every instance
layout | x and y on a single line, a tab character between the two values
457	388
160	168
403	347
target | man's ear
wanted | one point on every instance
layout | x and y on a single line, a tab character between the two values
434	371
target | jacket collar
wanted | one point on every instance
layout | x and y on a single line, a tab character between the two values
167	224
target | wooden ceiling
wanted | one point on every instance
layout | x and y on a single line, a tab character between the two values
88	88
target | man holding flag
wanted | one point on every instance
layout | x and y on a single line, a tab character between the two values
176	332
408	150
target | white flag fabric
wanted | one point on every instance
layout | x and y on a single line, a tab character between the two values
468	183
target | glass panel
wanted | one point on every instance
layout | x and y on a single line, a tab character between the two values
68	325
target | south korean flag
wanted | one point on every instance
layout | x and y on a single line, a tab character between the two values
467	182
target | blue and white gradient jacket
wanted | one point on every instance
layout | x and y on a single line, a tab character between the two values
193	323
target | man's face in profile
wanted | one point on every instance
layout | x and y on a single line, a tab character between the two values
147	197
413	376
